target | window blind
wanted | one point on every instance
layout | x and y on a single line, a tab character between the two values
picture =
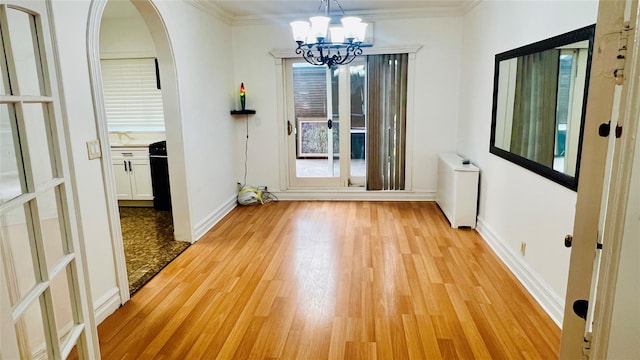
131	98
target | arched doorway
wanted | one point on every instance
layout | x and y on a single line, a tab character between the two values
173	129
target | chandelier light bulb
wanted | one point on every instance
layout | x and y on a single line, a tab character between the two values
350	20
350	24
337	34
319	26
361	31
300	30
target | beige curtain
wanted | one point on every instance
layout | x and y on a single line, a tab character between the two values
534	115
387	103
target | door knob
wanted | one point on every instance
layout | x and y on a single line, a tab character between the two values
568	241
289	127
580	308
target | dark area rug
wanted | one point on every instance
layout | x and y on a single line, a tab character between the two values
149	244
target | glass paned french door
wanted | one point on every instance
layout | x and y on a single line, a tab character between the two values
44	308
358	124
326	126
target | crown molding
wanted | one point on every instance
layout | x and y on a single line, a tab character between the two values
469	5
211	8
369	16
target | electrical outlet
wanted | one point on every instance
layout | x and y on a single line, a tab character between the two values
523	248
262	188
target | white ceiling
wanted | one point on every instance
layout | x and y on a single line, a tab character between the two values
256	10
240	9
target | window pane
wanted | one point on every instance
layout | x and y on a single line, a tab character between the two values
563	107
315	94
24	43
52	234
21	276
357	71
30	332
4	72
39	140
10	174
8	340
62	305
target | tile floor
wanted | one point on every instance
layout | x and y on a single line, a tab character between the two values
149	245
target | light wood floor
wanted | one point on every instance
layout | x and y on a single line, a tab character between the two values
333	280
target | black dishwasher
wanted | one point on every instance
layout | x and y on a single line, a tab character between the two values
160	175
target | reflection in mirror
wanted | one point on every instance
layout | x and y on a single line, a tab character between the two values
539	102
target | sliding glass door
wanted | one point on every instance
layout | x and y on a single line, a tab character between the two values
326	124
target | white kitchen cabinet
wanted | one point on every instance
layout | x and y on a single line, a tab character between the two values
132	173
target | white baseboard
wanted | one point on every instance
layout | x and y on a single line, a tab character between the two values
107	305
528	277
351	195
40	352
209	222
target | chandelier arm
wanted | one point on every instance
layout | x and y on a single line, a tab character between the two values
337	58
307	54
311	58
310	61
355	49
321	59
352	52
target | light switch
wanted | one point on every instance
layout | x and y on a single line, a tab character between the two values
93	149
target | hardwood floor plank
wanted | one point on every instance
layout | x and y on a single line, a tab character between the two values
412	337
333	280
338	341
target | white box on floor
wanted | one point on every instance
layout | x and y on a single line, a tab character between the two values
457	193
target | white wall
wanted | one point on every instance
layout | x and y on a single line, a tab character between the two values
202	56
202	50
516	205
71	26
122	37
436	102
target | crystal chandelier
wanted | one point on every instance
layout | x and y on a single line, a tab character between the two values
322	43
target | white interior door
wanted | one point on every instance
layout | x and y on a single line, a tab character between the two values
45	310
326	146
598	207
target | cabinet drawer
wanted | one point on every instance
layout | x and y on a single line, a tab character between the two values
130	153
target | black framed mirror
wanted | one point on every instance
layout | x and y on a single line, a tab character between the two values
539	104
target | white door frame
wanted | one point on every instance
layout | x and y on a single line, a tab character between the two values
626	165
279	55
173	125
595	195
344	109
